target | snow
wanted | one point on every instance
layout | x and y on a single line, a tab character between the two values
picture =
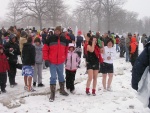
123	99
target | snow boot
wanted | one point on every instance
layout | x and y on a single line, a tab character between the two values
62	89
93	92
88	91
52	96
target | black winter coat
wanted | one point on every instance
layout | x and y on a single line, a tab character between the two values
139	66
28	54
12	56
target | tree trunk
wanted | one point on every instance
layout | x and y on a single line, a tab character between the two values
99	23
40	22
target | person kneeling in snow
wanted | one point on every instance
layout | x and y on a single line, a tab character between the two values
4	67
72	64
28	60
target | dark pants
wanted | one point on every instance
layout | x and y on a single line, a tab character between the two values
79	54
70	78
3	80
12	74
122	51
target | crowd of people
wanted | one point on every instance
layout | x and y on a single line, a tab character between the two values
58	48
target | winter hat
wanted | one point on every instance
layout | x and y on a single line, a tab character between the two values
129	34
58	28
79	32
12	36
64	30
24	34
71	45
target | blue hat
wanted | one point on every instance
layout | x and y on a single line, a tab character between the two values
12	36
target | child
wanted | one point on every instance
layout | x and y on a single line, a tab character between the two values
4	67
107	66
38	63
28	60
72	63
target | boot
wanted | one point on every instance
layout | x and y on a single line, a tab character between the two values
52	96
62	90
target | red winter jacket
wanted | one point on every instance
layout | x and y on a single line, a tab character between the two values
117	41
4	66
55	49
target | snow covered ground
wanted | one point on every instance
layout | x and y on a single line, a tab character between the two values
123	99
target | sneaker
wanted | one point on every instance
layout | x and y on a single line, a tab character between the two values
26	88
12	86
109	89
104	90
4	91
34	84
31	90
41	85
51	100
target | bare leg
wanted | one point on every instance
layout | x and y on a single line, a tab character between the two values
110	79
90	77
25	80
95	73
29	82
104	80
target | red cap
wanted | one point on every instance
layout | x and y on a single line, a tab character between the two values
79	32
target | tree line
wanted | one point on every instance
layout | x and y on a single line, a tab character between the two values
96	15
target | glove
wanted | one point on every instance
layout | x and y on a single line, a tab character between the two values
47	63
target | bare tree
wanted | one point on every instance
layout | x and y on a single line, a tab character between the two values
109	5
56	9
16	11
36	9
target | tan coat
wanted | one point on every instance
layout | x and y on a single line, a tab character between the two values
21	42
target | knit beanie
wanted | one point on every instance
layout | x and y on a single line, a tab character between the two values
58	28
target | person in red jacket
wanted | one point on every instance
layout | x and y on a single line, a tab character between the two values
55	52
117	43
4	67
133	50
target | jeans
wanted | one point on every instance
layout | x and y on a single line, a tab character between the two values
56	70
117	48
127	54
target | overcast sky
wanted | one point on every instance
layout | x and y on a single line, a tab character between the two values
140	6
